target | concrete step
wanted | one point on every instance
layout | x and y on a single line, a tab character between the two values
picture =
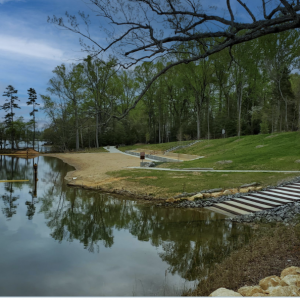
291	189
243	206
229	208
269	199
253	203
279	195
285	192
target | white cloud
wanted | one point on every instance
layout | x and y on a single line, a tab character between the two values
3	1
37	49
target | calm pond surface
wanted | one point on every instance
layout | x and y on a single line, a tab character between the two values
60	241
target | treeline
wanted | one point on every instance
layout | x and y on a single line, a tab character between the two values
15	130
249	89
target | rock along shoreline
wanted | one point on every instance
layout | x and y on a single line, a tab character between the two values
284	213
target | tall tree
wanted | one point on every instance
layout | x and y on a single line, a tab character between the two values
9	106
32	101
68	85
149	29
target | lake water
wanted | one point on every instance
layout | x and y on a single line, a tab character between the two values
61	241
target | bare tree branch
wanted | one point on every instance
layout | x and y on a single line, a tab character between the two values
247	9
140	37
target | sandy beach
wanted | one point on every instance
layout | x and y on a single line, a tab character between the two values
91	168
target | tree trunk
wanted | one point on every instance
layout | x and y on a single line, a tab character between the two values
97	127
299	117
239	102
33	127
77	129
81	137
198	121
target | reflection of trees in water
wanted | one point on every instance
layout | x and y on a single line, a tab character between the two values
10	168
189	244
10	207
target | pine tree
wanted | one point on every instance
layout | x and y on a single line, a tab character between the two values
32	101
9	106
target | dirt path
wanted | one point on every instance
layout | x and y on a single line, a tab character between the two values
91	168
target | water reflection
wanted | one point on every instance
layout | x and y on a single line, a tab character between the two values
187	241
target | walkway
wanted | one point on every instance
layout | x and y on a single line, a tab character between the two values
113	149
216	171
258	201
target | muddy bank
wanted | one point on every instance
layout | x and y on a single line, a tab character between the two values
90	173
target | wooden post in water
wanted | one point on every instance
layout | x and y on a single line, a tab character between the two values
35	166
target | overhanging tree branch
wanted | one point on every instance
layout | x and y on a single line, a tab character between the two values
150	29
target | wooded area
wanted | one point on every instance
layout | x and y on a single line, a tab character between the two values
251	89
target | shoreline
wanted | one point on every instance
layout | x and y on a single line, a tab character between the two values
91	173
84	170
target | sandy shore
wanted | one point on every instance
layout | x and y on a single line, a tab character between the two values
91	169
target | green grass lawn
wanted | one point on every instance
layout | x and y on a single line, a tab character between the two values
173	183
158	147
279	152
92	150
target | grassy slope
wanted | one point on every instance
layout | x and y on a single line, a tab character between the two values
159	147
279	153
92	150
172	183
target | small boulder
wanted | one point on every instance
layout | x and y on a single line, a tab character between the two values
222	292
271	281
290	271
285	291
244	190
227	192
297	161
248	291
234	191
258	188
171	200
217	194
206	195
292	279
196	197
251	188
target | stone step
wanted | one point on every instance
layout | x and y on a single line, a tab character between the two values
268	199
291	189
284	192
253	203
297	187
279	195
229	208
243	206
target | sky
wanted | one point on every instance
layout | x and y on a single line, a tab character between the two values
30	47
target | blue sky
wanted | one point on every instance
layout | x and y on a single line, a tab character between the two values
30	48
